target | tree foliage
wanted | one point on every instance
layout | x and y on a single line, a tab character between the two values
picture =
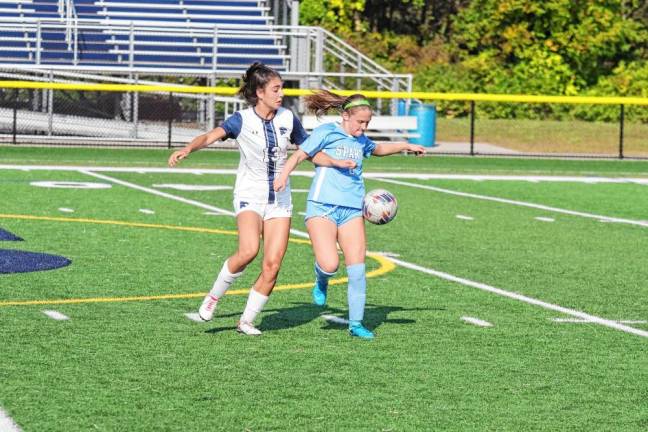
556	47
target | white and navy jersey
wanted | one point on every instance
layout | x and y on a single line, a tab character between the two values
263	145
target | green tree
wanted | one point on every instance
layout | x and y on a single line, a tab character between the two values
578	41
342	17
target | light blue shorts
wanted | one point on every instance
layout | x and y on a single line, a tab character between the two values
335	213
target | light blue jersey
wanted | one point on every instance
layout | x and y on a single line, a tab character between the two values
338	186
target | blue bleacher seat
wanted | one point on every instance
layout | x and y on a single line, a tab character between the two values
103	36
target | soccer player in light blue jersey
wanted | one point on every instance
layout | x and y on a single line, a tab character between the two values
334	207
262	133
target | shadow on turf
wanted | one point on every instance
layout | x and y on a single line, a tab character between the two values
303	313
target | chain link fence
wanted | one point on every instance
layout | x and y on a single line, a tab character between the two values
53	116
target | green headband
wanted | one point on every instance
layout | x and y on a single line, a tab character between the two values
355	103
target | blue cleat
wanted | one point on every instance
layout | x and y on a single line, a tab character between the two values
319	295
360	331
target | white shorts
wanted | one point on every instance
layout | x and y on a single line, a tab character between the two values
265	210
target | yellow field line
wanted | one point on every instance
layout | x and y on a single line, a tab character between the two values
478	97
385	265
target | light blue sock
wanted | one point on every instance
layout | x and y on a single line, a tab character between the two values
356	292
322	277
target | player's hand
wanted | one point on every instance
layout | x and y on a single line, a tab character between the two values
419	150
177	157
279	184
344	163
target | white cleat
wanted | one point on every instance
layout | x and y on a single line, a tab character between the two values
247	329
207	308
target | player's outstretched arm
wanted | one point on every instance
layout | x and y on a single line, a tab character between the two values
393	148
298	157
201	141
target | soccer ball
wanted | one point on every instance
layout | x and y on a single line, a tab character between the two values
379	206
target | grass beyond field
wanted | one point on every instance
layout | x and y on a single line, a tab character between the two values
554	271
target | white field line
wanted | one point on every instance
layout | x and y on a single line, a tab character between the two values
378	175
545	219
462	217
147	211
335	320
518	203
442	275
7	424
583	321
66	210
158	193
174	197
476	321
55	315
525	299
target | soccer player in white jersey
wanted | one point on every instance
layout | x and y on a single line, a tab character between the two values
334	208
262	133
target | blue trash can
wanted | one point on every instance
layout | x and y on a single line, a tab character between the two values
426	124
401	107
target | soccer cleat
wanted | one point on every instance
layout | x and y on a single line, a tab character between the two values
319	295
208	307
247	329
359	331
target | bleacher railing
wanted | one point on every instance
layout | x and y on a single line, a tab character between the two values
310	55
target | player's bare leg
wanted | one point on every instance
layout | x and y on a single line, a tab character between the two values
275	243
249	227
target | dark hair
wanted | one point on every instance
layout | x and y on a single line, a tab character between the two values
256	76
324	101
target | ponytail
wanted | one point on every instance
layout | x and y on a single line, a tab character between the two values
323	101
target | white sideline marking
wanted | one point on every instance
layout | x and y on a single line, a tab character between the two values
7	424
158	193
70	185
56	315
465	217
335	320
545	219
518	203
193	316
476	321
530	300
190	187
300	190
66	210
582	321
387	254
146	211
379	175
214	214
175	198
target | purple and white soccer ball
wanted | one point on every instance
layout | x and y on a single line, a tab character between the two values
379	206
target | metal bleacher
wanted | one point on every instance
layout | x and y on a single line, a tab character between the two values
160	41
197	34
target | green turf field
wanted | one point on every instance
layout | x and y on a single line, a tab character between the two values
129	359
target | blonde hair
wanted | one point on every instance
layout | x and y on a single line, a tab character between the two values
323	101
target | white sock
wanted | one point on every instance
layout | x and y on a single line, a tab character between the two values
255	303
223	281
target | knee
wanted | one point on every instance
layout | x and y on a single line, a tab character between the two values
329	266
247	254
271	267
